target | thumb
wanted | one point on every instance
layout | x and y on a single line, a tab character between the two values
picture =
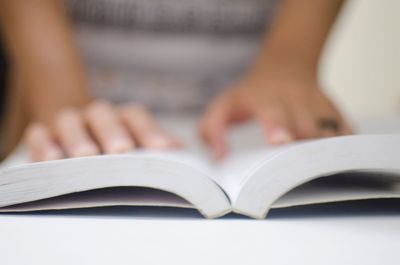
214	124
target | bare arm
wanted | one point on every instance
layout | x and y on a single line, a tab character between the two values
298	33
40	43
52	88
281	89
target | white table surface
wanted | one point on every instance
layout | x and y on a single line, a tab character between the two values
353	233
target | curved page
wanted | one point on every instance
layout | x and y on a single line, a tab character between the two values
178	173
298	164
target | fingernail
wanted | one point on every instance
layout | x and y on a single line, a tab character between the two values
119	144
160	141
280	136
51	153
85	149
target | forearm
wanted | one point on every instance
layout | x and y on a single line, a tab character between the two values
298	33
40	44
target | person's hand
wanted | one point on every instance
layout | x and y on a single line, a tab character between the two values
98	128
288	106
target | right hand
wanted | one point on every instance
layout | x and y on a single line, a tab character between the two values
99	128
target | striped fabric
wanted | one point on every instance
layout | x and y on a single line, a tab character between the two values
172	55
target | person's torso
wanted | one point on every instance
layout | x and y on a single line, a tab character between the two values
171	55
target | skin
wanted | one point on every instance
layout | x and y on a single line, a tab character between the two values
281	90
53	110
50	107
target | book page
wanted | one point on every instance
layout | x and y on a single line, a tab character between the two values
298	164
177	171
357	185
232	172
194	155
248	149
118	196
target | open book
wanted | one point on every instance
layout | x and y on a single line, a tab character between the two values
250	183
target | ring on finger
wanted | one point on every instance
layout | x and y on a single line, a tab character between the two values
328	124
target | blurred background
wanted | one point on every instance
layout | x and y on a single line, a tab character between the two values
361	65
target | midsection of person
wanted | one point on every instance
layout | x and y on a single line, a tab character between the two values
171	56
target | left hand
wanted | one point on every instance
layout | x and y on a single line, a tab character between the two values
287	104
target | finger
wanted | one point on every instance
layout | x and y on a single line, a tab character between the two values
344	126
328	132
144	128
276	125
71	131
40	143
305	122
213	126
328	123
346	129
107	128
327	110
306	126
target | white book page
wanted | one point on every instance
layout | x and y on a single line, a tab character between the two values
249	156
247	148
177	172
226	173
299	164
119	196
233	171
359	185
